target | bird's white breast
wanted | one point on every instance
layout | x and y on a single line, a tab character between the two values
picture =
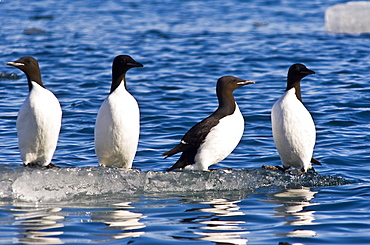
293	131
117	129
38	126
220	141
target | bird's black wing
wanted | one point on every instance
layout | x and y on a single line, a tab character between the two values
194	137
191	141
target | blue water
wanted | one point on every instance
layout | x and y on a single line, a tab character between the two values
185	47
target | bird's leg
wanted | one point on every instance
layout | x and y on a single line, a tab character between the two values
31	165
295	171
226	169
36	165
51	165
283	169
312	170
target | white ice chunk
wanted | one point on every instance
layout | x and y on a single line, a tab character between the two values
350	17
51	185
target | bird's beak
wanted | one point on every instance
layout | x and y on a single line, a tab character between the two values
308	72
245	82
14	63
136	64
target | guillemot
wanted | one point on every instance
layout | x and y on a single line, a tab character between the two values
117	125
215	137
293	128
39	118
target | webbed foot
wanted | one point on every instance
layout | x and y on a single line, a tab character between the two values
36	165
274	168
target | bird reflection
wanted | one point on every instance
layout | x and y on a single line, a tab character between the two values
123	222
46	225
215	226
38	224
293	210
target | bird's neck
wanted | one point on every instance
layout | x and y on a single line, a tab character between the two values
34	77
297	86
226	103
117	80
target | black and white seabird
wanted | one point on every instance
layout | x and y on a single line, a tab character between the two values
214	138
117	125
292	126
39	119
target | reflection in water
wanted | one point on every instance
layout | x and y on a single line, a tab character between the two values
292	210
121	221
36	223
49	225
214	227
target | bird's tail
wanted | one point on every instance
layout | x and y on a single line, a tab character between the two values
313	160
186	158
178	148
